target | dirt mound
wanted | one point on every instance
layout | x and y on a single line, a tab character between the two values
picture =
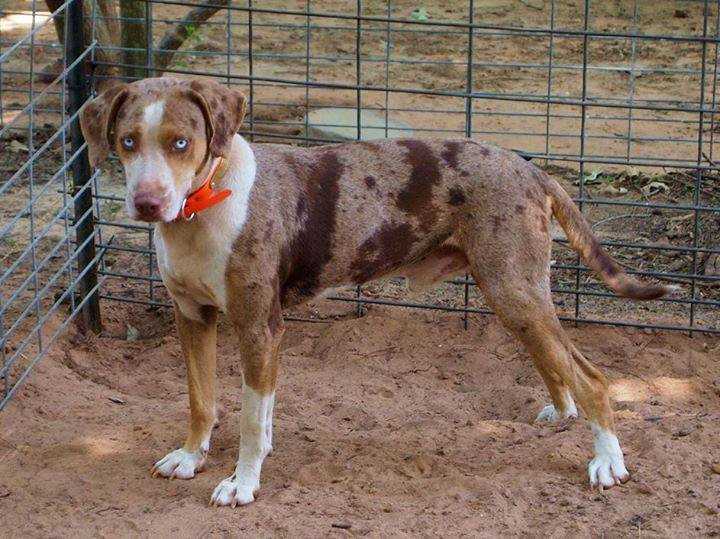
395	423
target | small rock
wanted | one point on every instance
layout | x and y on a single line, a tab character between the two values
341	525
716	468
4	492
680	14
116	400
644	488
686	431
423	464
369	423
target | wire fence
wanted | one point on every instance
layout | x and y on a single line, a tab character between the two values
618	102
47	243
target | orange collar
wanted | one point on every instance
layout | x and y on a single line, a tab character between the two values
205	196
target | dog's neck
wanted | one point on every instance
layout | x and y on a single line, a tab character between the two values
230	215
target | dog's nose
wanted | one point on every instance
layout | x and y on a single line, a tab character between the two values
148	206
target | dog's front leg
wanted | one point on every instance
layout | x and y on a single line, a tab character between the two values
260	349
198	339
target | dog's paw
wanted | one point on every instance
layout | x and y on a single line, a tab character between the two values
607	471
232	491
550	415
180	463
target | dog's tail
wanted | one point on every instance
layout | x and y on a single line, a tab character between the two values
583	240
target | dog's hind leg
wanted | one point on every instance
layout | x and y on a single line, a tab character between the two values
515	281
529	313
198	339
257	316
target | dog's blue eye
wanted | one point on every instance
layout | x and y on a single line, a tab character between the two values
180	144
128	143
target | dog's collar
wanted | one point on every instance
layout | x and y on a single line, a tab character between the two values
205	196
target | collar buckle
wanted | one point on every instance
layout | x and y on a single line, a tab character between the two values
182	211
205	196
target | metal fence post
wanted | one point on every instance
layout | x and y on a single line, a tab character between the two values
79	92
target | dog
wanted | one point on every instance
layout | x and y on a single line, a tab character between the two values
252	229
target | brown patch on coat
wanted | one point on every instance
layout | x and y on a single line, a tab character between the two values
456	196
608	266
387	248
535	195
301	206
269	228
451	150
498	221
304	258
416	198
369	146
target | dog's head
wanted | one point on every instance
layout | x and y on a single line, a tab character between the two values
165	131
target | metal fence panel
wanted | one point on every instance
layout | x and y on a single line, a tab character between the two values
621	105
47	244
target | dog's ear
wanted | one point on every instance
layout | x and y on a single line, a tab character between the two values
97	120
224	110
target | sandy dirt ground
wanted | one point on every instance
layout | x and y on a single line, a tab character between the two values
396	423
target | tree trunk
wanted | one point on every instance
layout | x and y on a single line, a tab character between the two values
134	38
101	22
176	36
106	32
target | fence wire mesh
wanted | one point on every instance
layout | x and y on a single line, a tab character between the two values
47	246
615	100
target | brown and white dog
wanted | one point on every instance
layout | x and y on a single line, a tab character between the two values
301	220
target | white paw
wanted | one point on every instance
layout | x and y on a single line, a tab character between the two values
607	472
550	415
232	491
180	463
608	467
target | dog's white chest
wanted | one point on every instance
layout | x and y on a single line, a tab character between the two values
194	271
193	262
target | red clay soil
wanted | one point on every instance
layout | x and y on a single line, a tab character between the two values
397	423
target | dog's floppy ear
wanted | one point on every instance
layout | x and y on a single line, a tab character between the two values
224	110
97	120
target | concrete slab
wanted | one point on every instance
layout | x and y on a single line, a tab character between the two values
341	124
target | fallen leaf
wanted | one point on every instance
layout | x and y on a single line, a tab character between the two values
132	333
420	14
654	187
17	146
